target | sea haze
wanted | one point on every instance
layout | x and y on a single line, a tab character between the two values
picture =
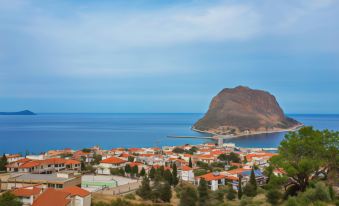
58	131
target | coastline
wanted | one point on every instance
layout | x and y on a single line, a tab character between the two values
215	135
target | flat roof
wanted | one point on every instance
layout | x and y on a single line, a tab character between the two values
41	178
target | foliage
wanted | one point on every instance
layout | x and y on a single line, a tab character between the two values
135	171
128	169
3	162
151	173
130	196
8	199
199	172
239	188
216	197
130	159
165	192
142	172
178	150
203	165
308	153
144	191
246	201
188	196
175	179
203	192
168	176
117	171
273	196
232	157
190	163
250	190
253	181
96	159
231	193
86	150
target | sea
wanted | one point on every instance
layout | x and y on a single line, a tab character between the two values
46	131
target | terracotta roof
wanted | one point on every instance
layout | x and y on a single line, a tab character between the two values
72	162
13	156
29	164
26	191
132	164
186	168
74	190
211	176
228	177
265	154
113	160
52	197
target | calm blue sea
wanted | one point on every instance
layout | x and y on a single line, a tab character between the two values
57	131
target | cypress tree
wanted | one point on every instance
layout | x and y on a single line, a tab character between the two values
252	179
142	172
152	173
239	189
127	168
190	163
135	170
168	177
175	175
203	192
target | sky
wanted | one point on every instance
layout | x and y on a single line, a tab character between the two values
166	56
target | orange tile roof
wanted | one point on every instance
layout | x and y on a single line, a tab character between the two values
72	162
265	154
186	168
26	192
231	178
29	164
13	156
132	164
211	176
52	197
74	190
113	160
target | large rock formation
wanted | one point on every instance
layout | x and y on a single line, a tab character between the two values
241	111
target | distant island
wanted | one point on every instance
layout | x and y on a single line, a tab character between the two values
243	111
25	112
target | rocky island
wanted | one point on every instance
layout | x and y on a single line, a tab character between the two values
243	111
25	112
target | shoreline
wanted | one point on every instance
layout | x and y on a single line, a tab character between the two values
292	129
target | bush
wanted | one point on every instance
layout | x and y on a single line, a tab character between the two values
273	196
130	196
292	201
245	201
231	194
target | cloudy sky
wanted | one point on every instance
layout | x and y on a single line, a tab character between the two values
166	56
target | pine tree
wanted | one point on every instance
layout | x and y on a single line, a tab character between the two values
152	173
190	163
135	170
239	189
203	192
144	190
175	175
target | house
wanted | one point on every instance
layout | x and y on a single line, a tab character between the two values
13	158
53	197
186	174
106	165
80	197
27	195
213	179
56	180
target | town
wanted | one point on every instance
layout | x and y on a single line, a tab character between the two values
302	170
35	179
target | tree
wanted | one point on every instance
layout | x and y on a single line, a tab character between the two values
253	181
273	196
3	162
142	172
166	192
168	177
152	173
188	196
178	150
190	163
231	193
305	153
130	158
232	157
8	199
135	170
128	168
96	159
174	175
203	192
239	188
144	191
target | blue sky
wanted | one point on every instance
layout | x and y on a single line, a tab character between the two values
166	56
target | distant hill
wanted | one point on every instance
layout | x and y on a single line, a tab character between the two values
25	112
241	111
